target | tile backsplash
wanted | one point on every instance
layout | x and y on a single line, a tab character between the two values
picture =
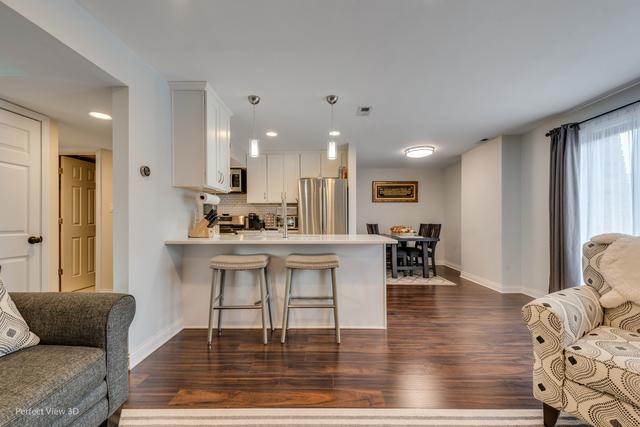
236	204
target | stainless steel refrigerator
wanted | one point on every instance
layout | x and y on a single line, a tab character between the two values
322	206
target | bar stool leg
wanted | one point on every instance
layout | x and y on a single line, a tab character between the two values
263	305
285	315
221	277
266	279
211	298
335	304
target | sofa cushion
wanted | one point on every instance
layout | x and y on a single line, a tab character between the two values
14	331
607	359
37	380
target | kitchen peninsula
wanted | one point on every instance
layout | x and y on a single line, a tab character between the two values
361	278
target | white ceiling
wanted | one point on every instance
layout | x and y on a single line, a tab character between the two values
42	74
440	72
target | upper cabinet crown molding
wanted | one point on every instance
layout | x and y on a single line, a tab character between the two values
201	138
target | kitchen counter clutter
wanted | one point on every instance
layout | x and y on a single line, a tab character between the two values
361	278
275	238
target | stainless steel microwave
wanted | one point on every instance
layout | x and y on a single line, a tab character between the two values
238	180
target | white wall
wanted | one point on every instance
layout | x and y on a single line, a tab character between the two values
452	211
535	189
104	197
511	214
429	209
146	210
481	214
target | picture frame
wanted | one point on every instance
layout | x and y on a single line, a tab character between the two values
394	191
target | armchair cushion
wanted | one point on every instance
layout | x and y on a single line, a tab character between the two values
556	321
608	360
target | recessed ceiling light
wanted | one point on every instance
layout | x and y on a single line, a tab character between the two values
271	133
419	151
101	116
334	133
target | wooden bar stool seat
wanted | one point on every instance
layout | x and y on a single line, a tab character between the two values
311	262
222	263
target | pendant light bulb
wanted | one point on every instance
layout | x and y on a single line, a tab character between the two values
254	143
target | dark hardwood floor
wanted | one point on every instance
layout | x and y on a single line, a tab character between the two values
459	346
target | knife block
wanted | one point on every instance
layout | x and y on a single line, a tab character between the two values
200	229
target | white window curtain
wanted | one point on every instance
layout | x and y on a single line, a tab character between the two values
610	173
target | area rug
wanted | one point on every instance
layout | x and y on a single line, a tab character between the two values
417	279
337	417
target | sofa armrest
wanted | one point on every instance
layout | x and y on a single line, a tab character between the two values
556	321
85	319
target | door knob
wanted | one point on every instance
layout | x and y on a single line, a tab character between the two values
34	239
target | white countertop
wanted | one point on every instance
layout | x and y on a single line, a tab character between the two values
272	238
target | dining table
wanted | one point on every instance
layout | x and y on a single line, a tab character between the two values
403	239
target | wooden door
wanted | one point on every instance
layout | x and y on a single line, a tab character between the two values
78	228
20	194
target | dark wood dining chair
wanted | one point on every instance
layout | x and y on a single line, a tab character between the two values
373	229
402	254
428	230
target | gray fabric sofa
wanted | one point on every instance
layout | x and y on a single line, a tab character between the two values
78	374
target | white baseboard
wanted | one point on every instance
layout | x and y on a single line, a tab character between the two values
450	264
534	293
258	326
494	286
153	343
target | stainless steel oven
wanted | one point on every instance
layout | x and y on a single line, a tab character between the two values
238	180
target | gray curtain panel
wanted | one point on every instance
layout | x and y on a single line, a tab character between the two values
564	219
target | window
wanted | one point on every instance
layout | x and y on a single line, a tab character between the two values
610	173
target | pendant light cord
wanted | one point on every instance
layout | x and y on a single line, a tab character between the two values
253	122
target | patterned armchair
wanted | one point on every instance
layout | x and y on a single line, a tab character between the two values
586	358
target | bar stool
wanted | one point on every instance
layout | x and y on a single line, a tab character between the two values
222	263
311	262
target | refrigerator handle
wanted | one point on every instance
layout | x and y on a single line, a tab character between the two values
323	208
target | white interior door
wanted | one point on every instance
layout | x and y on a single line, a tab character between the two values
20	195
78	229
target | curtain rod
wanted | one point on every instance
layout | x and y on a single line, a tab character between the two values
600	115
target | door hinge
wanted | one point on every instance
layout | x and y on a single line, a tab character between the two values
60	221
60	272
60	171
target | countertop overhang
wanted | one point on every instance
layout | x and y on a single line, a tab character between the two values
294	239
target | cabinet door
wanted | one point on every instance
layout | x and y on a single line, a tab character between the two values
212	174
224	149
256	179
330	167
310	166
291	176
275	177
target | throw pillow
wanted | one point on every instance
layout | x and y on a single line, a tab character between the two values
619	266
14	331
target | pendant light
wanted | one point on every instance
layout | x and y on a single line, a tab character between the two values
254	148
332	152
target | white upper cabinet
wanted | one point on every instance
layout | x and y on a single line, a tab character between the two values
291	176
310	164
275	177
257	179
201	137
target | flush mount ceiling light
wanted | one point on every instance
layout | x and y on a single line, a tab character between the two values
332	152
254	149
419	151
101	116
271	133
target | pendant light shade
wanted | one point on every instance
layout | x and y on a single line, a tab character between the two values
254	143
332	151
